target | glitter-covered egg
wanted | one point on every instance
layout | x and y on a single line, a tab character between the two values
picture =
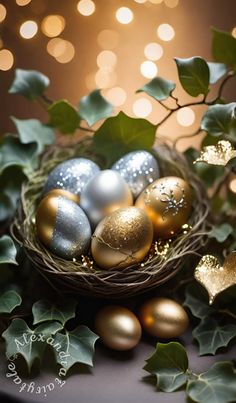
63	227
71	175
139	169
106	192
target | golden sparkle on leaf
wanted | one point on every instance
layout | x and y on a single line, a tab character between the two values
214	277
220	154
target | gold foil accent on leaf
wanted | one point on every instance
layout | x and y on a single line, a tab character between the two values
214	277
219	154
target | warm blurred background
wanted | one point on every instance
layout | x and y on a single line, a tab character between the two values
110	44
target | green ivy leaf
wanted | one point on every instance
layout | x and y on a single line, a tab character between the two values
7	250
94	107
217	385
221	232
13	153
32	130
211	336
217	71
220	119
224	47
20	339
9	300
197	301
44	310
121	134
29	83
78	344
194	75
169	364
63	116
158	88
10	184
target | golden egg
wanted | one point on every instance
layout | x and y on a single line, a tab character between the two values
168	203
62	192
163	317
118	328
122	239
62	226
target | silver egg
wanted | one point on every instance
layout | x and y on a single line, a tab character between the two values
71	175
106	192
139	169
63	227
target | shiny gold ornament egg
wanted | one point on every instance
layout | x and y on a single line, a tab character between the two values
163	317
122	239
62	192
118	328
63	227
168	202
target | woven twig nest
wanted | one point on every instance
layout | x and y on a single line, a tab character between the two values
80	276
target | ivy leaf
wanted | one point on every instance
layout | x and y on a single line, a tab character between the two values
197	301
194	75
94	107
20	339
7	250
224	47
29	83
158	88
221	232
169	364
10	184
79	346
217	385
211	336
217	71
13	153
121	134
220	119
9	300
32	130
44	310
63	116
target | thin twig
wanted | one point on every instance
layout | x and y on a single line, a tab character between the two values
85	129
221	182
187	136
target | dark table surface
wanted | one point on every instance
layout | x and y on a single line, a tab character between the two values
115	378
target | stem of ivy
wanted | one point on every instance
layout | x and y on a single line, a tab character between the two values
85	129
227	312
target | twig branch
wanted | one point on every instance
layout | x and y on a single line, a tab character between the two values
85	129
187	136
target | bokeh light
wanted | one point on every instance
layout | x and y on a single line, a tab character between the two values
140	1
6	59
105	78
185	116
232	185
67	52
148	69
22	2
106	59
53	25
165	32
142	107
108	39
124	15
233	32
171	3
28	29
3	12
116	96
56	47
86	7
156	1
153	51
